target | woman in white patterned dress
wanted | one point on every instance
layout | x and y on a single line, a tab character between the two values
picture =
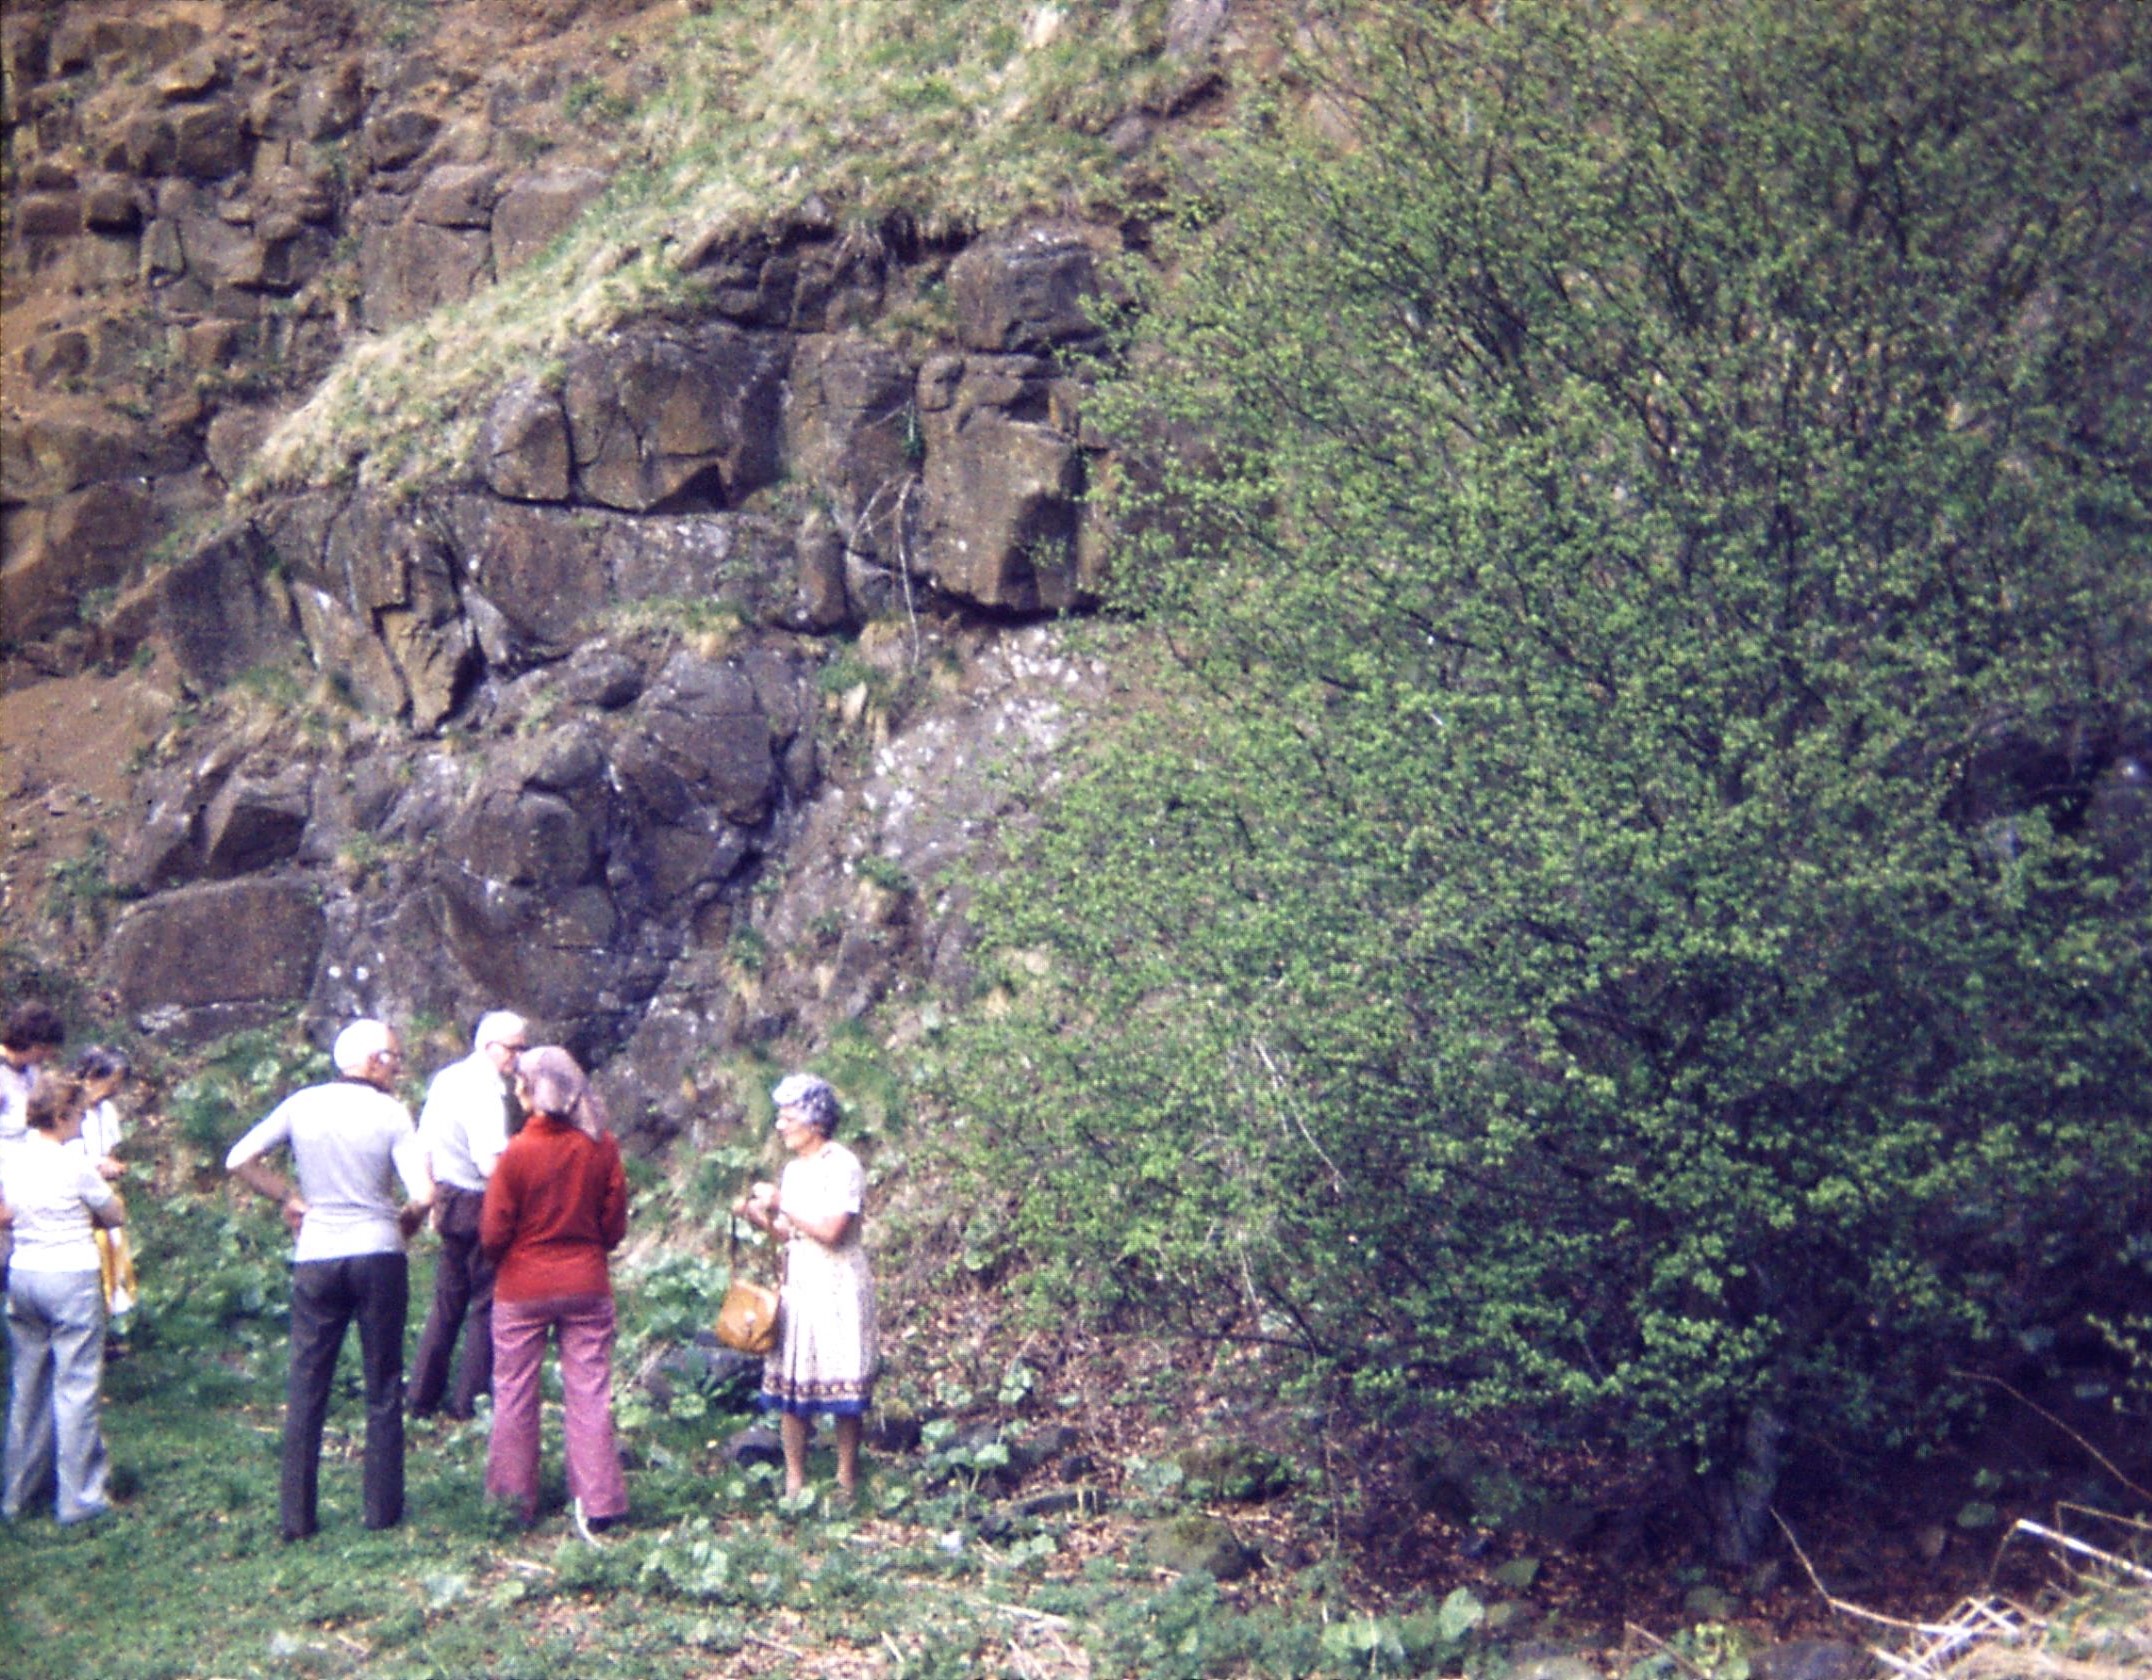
826	1356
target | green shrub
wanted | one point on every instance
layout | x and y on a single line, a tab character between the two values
1597	921
240	1079
886	873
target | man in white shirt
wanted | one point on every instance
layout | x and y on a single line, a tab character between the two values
350	1142
464	1126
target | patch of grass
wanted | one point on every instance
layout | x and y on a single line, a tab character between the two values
844	670
591	102
401	22
873	1081
79	891
190	1580
711	625
884	872
366	857
237	1081
748	950
939	111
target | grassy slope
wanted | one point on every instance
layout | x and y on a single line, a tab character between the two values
953	113
713	1577
190	1579
713	1573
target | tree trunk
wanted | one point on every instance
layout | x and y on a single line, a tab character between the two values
1739	1496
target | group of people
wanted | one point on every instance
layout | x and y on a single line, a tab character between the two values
514	1164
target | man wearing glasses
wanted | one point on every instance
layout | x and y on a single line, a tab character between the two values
351	1142
465	1126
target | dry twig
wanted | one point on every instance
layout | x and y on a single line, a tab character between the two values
1664	1649
2093	1452
1992	1639
2079	1546
1843	1606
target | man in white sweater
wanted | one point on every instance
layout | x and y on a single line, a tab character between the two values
351	1142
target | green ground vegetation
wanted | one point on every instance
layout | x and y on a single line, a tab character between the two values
932	1575
1606	925
928	1577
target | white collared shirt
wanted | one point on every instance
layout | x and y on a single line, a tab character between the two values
16	1084
465	1121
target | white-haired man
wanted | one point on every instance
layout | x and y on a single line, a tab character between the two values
351	1142
464	1126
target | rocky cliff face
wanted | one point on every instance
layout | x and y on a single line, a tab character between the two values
664	716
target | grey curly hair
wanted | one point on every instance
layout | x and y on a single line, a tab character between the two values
812	1094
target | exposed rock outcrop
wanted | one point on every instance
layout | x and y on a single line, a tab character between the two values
659	422
205	960
219	221
564	706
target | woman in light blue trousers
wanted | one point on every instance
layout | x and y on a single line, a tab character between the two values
55	1311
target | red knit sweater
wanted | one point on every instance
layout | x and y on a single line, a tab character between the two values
555	1205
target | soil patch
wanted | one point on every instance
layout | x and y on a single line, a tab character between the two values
69	748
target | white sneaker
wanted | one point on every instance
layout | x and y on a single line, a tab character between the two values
582	1524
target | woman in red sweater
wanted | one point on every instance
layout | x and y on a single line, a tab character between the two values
556	1206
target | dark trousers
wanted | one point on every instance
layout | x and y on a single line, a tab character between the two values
326	1295
462	1299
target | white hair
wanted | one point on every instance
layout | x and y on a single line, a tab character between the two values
811	1093
359	1044
498	1028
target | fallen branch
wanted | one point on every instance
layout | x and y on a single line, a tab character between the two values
1045	1617
2079	1546
1978	1619
1665	1650
2023	1664
1843	1606
1025	1663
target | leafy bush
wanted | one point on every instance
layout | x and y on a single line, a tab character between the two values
204	1271
1604	919
239	1080
672	1297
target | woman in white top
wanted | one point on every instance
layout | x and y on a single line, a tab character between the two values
55	1311
102	1071
826	1354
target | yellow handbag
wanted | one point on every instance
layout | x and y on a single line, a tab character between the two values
747	1319
115	1265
